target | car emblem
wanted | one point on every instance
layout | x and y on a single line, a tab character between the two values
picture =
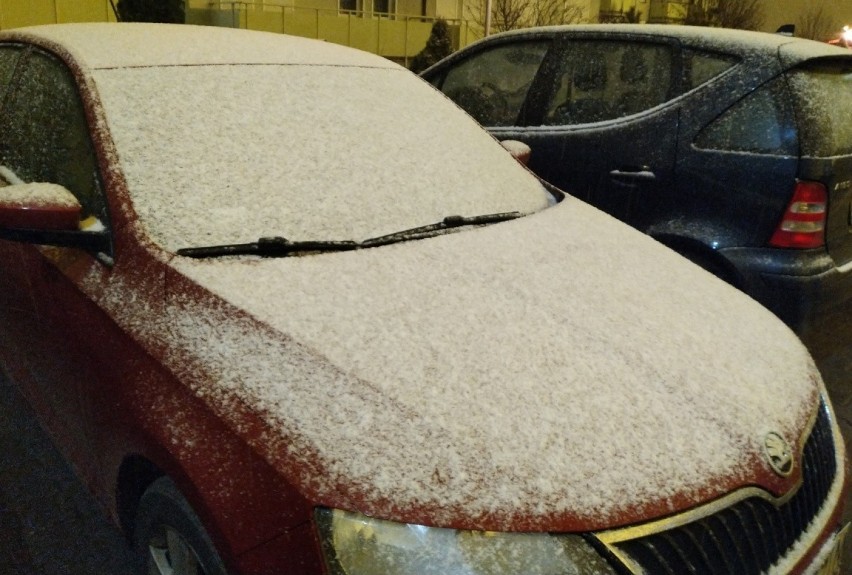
778	453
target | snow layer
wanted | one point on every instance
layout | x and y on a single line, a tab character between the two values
134	45
304	152
556	364
561	363
38	194
727	40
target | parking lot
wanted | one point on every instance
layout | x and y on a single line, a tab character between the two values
49	525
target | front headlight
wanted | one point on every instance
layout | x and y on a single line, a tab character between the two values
354	544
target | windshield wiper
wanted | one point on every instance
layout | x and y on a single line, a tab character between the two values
430	229
267	247
282	247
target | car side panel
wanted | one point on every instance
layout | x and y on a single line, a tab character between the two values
42	357
622	166
100	388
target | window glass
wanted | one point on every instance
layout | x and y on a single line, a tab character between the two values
44	134
601	81
760	123
8	60
701	67
492	85
424	158
823	96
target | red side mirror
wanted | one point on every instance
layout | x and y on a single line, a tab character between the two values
519	150
38	206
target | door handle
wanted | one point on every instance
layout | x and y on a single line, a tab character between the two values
643	174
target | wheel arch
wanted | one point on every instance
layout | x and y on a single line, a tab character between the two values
135	475
702	255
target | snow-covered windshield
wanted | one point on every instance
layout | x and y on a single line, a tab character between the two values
227	154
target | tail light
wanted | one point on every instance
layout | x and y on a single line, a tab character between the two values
803	224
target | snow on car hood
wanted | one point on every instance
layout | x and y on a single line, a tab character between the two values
560	365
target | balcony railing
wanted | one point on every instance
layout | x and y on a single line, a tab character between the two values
393	35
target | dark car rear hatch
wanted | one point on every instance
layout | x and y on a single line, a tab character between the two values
822	90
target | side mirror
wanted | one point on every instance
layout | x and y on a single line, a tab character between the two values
39	207
48	214
519	150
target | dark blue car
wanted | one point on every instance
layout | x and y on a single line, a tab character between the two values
733	148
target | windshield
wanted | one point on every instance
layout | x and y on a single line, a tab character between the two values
227	154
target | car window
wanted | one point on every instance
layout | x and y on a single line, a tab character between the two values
760	123
823	94
700	67
9	56
602	80
44	135
492	85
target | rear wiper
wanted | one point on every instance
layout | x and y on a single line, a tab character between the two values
267	247
430	229
282	247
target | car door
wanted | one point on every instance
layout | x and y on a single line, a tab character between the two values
605	127
739	170
44	138
595	114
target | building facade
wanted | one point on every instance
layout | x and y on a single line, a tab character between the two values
397	29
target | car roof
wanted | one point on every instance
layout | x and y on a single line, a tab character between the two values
726	40
127	45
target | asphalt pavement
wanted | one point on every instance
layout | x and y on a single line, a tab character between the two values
50	525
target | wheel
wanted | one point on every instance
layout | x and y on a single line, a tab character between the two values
168	536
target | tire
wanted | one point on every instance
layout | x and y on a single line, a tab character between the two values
168	536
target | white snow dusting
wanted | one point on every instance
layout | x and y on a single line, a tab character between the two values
38	195
480	371
557	365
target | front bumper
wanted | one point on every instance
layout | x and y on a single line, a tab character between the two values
804	288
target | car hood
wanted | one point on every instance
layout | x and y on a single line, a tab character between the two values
561	371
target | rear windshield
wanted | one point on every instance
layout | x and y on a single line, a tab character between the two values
824	100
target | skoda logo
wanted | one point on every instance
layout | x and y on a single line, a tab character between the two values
778	454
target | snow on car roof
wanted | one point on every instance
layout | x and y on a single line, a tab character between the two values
111	45
721	39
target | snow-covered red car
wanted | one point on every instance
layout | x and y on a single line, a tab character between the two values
288	310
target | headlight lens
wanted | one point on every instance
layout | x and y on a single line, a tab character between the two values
354	544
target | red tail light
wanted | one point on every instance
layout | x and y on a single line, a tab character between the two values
803	224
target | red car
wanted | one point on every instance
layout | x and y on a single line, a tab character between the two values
287	309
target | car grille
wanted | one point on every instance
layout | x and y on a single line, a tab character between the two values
748	537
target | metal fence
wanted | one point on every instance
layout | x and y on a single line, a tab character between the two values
394	35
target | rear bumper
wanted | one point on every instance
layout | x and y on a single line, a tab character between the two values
804	288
